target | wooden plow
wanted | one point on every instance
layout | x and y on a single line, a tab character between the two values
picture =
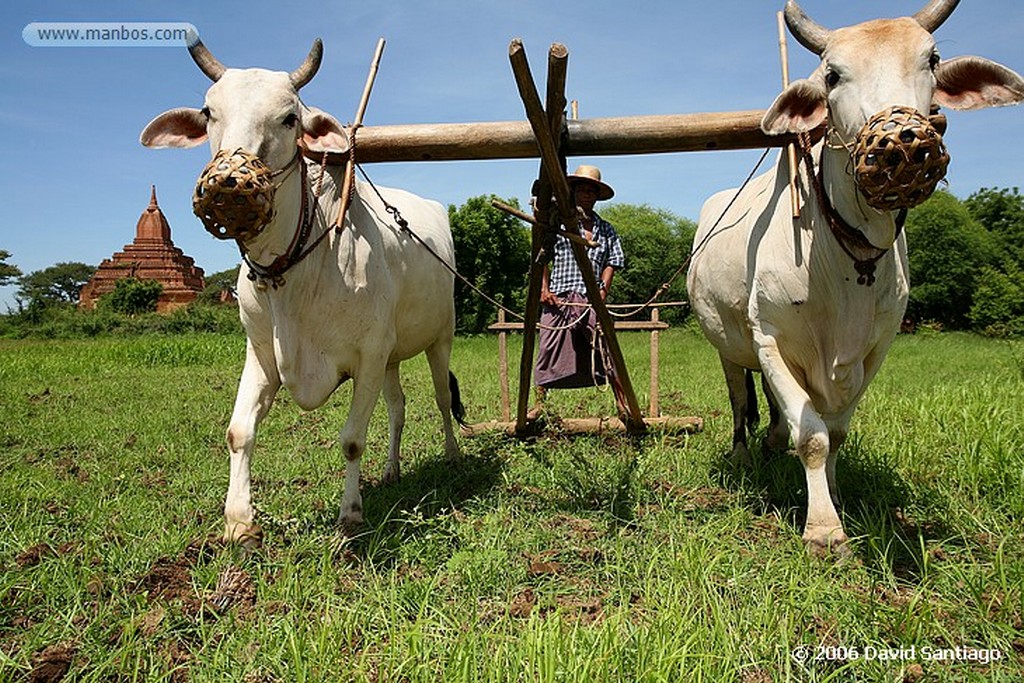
548	135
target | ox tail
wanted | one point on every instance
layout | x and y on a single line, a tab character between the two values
458	410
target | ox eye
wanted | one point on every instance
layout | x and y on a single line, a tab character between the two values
934	60
831	78
290	120
205	111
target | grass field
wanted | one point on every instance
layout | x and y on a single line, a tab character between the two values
563	559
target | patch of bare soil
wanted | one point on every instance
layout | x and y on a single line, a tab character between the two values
523	603
586	610
170	580
30	557
52	663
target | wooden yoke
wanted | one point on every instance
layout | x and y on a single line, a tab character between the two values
554	170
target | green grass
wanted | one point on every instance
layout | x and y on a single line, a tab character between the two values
559	559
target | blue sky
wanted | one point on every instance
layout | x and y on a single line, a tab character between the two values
76	178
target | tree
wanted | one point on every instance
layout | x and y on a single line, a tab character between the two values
8	272
60	283
947	249
492	250
657	244
217	283
1001	212
132	296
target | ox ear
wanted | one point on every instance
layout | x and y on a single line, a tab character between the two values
798	109
966	83
182	127
321	132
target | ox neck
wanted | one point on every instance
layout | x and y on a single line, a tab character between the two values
870	234
284	241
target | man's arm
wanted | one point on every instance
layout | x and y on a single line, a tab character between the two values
546	295
606	277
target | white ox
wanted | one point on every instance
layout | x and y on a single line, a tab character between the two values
780	295
354	308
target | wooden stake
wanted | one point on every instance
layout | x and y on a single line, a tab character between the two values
350	171
655	406
506	413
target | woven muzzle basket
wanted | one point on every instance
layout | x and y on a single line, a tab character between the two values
899	158
234	196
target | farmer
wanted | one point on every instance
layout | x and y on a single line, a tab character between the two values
571	351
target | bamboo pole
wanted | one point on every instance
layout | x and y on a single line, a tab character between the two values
523	216
350	171
566	206
794	195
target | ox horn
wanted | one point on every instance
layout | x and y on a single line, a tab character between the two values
304	74
808	32
206	62
935	13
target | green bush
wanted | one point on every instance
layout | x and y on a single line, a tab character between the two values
998	307
68	322
132	296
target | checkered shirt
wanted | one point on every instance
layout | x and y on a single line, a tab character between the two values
566	277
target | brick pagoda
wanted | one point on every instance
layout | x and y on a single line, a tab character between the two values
152	256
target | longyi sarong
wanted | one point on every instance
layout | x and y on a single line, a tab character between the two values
572	354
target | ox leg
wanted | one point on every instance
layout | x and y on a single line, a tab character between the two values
777	438
256	391
395	399
438	356
739	399
823	532
837	436
366	387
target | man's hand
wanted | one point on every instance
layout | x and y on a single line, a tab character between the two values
548	297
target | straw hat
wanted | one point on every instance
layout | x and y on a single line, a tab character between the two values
591	174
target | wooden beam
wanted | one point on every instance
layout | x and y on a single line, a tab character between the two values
627	325
585	137
590	425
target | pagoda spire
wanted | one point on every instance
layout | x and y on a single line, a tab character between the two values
152	223
152	256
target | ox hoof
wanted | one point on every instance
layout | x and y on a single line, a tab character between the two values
392	473
825	542
351	521
776	443
740	457
249	536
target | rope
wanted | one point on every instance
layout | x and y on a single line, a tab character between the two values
686	262
664	287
